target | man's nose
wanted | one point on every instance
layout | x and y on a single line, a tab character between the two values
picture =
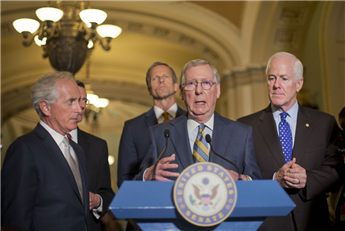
161	79
79	107
82	104
198	88
276	83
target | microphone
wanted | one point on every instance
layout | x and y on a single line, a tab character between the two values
166	135
208	140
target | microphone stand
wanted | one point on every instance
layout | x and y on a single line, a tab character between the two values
166	134
208	140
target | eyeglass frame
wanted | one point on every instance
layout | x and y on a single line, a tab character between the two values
86	101
196	84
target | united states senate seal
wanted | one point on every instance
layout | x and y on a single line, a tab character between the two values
205	194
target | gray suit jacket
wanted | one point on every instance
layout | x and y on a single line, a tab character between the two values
38	190
315	149
134	144
230	139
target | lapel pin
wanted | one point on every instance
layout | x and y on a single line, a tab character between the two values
307	125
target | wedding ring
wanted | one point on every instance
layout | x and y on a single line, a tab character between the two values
298	181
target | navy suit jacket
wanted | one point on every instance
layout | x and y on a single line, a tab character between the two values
315	149
230	139
134	144
96	155
38	190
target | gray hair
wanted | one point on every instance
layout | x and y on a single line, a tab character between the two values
148	77
298	69
45	89
195	63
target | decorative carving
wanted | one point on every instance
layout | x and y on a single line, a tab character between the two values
292	15
287	39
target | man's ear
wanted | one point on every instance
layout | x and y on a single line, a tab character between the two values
181	93
45	108
299	85
149	90
218	90
176	87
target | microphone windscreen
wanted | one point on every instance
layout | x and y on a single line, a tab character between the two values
166	133
208	138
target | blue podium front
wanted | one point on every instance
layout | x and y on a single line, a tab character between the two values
151	205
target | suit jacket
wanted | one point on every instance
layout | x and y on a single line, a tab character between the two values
315	150
38	190
134	144
230	139
96	155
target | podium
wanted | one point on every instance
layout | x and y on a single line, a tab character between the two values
152	207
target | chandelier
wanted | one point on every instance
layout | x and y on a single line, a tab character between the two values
67	33
96	104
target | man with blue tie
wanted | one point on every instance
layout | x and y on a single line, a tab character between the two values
200	89
296	146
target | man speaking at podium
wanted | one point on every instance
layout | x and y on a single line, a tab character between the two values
186	135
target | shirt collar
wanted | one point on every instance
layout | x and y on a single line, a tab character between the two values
172	111
74	134
192	124
293	111
58	138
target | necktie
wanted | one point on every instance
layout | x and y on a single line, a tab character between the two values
166	116
285	137
73	164
200	151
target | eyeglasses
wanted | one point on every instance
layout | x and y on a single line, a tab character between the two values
191	85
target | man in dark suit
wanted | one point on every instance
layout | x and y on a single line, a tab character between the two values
96	155
200	89
44	183
296	146
162	84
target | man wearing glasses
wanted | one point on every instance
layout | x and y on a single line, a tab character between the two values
96	155
200	89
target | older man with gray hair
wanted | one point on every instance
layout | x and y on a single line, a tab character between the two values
44	183
296	146
200	89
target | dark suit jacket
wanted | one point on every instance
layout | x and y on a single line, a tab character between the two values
38	190
230	139
96	155
134	144
315	150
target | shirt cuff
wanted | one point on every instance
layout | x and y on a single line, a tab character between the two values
97	211
144	174
249	178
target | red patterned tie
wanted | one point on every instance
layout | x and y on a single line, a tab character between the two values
69	136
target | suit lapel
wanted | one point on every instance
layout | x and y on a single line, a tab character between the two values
180	141
304	129
269	133
84	143
220	130
53	150
150	118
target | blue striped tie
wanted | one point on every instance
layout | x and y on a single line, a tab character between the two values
285	137
200	151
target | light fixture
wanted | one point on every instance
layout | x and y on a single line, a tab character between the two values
96	104
67	33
